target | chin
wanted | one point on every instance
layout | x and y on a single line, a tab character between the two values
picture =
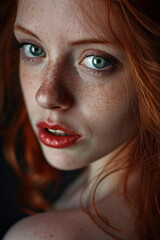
61	159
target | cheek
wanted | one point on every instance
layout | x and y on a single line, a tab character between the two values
110	116
106	103
28	85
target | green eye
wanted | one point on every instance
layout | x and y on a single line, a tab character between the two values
35	50
32	51
97	62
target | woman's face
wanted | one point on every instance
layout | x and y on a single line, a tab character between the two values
73	81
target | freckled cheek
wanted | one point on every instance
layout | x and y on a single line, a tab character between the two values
104	103
28	82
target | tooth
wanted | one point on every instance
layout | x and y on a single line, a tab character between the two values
58	132
51	130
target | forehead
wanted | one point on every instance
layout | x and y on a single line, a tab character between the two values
66	16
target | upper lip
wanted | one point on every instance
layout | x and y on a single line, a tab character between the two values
55	126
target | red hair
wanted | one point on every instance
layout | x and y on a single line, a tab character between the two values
135	25
136	28
21	148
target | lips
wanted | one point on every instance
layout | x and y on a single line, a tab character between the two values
55	136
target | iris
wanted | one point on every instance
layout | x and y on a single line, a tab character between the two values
99	62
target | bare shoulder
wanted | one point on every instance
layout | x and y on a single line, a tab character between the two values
66	225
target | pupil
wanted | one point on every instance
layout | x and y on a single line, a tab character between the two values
36	50
98	62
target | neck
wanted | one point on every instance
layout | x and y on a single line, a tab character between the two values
111	171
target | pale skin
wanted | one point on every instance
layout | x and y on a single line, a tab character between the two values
61	84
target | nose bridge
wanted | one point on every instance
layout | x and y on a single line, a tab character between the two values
49	85
52	73
52	92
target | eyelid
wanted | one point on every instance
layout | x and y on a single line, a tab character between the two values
21	44
99	53
111	60
23	55
29	41
112	63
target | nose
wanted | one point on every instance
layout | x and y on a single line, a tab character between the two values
53	94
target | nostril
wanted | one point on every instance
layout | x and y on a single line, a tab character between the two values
56	107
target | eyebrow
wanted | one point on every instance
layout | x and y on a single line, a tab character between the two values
87	41
19	27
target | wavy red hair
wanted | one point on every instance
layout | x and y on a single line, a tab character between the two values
136	28
21	148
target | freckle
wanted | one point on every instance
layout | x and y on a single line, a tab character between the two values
51	235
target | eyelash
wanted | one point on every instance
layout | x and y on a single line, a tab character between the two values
112	61
24	57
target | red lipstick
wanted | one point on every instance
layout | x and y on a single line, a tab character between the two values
55	136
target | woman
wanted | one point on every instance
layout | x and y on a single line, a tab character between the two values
89	74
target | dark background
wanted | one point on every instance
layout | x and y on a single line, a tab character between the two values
10	213
9	183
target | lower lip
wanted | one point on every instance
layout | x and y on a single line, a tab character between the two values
53	141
